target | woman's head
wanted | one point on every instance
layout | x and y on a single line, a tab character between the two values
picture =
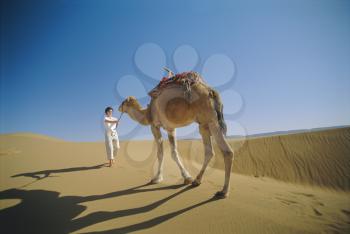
109	111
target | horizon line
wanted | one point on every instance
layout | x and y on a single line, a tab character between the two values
248	136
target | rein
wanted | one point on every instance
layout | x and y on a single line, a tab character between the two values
120	116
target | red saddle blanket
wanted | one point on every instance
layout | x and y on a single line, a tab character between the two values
186	79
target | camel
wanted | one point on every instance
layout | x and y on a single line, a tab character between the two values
171	110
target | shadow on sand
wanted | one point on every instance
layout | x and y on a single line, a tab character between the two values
39	175
42	211
47	173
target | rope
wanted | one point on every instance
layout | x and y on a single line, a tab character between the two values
120	116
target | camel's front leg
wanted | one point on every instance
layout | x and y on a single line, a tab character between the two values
159	141
228	157
208	151
175	155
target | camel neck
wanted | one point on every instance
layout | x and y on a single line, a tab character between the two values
139	115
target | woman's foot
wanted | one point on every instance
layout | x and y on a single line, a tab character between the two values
111	162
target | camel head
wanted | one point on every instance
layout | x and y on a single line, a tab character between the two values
129	103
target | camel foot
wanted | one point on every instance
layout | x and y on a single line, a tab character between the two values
221	194
196	183
156	181
188	181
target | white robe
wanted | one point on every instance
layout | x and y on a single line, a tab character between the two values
111	138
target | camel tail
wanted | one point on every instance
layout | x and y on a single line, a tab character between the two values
219	107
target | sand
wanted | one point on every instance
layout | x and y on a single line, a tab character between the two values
297	183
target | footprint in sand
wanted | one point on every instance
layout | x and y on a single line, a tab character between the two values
286	201
346	212
312	197
338	228
304	194
319	203
316	212
313	202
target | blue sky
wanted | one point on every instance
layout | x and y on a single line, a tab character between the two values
63	62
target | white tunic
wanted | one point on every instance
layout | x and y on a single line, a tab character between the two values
110	128
111	137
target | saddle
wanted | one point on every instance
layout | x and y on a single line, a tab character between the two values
185	79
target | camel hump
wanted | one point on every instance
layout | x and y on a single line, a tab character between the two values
184	79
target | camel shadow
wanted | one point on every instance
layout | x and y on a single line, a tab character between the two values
42	211
155	221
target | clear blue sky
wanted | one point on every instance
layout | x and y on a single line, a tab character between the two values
61	60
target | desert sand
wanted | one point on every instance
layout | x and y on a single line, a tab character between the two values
295	183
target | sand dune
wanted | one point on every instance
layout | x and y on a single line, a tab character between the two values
319	158
296	183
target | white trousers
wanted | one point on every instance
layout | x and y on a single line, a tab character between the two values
112	145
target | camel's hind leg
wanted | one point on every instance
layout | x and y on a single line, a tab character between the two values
208	152
228	156
158	139
175	155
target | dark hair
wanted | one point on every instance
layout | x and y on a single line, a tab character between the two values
108	109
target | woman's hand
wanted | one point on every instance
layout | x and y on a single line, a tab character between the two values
111	121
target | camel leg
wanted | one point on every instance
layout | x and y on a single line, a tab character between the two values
228	157
159	141
208	152
175	155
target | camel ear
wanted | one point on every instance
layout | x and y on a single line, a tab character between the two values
128	99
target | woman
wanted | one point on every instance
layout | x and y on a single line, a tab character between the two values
111	135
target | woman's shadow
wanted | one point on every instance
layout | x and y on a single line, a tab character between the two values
47	173
42	211
40	175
